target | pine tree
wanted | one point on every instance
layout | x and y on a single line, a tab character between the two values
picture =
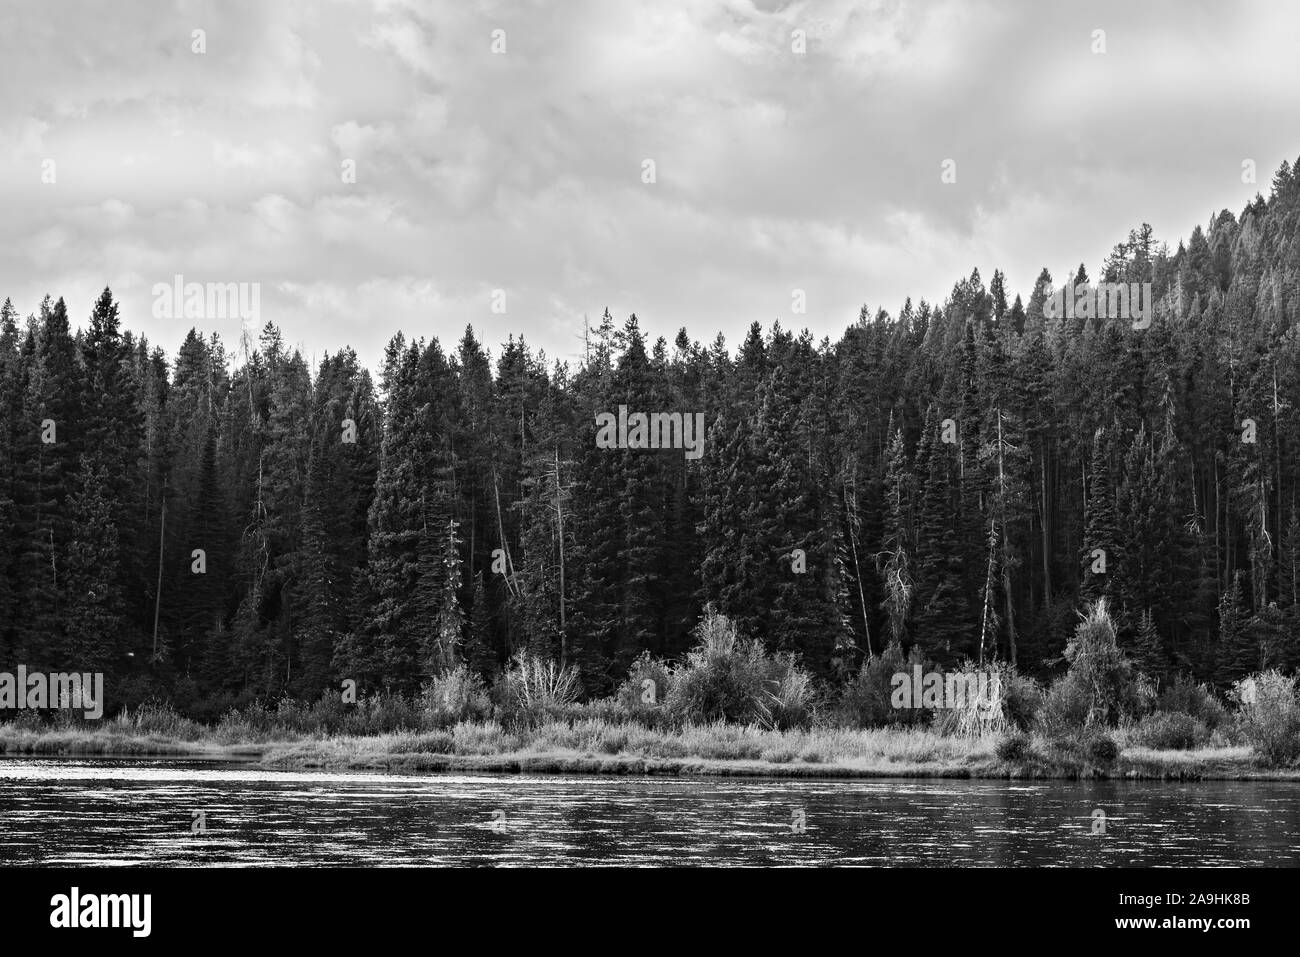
440	619
1101	537
46	454
479	653
1145	650
947	616
1238	652
894	560
92	594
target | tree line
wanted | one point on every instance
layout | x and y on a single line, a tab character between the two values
959	478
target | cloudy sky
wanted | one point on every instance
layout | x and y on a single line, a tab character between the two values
523	169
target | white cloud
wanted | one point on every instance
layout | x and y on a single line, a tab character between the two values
523	170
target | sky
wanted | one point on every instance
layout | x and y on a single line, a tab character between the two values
857	153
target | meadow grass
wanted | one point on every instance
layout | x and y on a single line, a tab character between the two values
597	745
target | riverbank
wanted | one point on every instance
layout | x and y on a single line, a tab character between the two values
596	747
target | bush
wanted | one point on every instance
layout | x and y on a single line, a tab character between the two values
1270	716
1014	747
1092	746
533	688
457	695
1022	700
790	704
1183	695
632	692
721	677
486	738
981	713
155	717
384	713
1100	749
725	678
1101	686
1065	708
1171	729
865	701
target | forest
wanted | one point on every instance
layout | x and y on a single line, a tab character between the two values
961	478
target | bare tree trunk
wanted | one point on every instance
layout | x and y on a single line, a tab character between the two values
559	523
501	530
851	506
1006	570
988	589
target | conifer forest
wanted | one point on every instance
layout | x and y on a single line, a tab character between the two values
218	522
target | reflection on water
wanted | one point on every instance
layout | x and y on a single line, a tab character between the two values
89	811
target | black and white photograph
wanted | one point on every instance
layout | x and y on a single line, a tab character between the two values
821	439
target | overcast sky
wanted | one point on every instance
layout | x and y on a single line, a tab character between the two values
523	170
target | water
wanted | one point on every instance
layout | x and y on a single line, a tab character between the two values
98	811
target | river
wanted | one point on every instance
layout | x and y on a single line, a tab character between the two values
168	812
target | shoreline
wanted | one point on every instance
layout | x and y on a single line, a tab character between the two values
404	754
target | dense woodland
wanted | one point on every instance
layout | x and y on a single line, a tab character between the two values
374	559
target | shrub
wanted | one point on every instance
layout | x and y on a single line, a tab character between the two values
1171	729
1270	716
255	722
486	738
982	712
631	694
384	713
1014	747
725	678
1022	699
327	714
721	677
457	695
1183	695
865	701
156	717
1065	708
530	691
790	704
1092	746
1101	685
1100	748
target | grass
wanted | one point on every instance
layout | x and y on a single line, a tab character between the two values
599	746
